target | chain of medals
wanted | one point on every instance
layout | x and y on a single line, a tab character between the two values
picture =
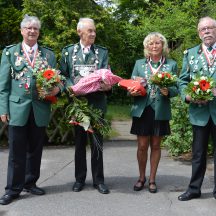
152	88
37	63
207	60
86	66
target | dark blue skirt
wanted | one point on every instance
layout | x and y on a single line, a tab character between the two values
146	125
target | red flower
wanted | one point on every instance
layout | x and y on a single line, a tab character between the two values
168	75
194	88
204	85
52	99
48	74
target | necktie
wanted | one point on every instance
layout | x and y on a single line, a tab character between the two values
86	53
31	53
209	48
155	65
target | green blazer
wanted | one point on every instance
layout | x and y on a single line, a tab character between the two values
162	105
72	56
195	63
18	92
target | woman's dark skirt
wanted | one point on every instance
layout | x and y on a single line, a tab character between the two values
146	125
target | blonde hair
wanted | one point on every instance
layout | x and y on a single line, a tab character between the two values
149	37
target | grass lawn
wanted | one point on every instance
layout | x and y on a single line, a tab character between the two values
118	112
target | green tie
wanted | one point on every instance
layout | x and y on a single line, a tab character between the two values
209	48
155	65
86	57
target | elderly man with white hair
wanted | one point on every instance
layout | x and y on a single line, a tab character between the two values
21	108
78	61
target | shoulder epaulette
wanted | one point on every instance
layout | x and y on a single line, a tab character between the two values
70	45
47	48
9	46
101	47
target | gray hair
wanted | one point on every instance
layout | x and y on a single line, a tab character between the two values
162	39
82	22
204	18
30	19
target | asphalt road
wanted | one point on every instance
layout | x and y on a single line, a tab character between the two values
121	172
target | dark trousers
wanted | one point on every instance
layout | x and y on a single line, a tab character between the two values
81	139
199	150
25	151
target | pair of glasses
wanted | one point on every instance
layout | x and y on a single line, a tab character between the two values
207	28
31	29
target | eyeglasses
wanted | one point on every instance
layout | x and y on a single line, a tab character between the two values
208	28
31	29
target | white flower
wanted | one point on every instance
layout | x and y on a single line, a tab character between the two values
208	90
196	83
203	78
66	53
197	91
159	75
7	53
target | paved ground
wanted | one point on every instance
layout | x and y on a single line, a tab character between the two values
121	171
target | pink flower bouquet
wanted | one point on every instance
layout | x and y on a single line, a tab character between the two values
92	82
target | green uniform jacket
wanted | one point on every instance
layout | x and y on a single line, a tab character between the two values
98	55
162	103
16	98
195	63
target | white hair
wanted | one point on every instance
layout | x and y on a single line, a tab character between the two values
83	21
30	19
206	18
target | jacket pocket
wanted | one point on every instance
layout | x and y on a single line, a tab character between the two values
14	98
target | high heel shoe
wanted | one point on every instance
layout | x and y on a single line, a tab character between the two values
139	185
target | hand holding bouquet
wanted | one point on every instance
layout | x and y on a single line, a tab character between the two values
163	79
201	88
46	83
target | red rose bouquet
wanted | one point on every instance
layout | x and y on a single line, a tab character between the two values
201	88
46	80
163	79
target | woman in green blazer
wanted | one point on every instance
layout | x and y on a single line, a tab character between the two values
151	113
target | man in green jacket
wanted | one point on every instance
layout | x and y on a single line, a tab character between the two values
78	61
26	115
200	60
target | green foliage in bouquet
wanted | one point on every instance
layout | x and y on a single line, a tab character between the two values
200	88
47	79
163	79
80	113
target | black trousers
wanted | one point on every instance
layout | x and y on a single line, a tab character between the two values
25	152
81	139
199	150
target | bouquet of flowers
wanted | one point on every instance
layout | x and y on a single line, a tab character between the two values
80	113
46	80
163	79
91	83
201	88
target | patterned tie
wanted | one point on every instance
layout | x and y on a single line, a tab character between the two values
86	53
31	53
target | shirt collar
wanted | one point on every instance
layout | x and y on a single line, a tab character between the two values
27	47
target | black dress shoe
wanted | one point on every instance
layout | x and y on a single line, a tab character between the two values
78	186
188	196
7	199
102	188
35	190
